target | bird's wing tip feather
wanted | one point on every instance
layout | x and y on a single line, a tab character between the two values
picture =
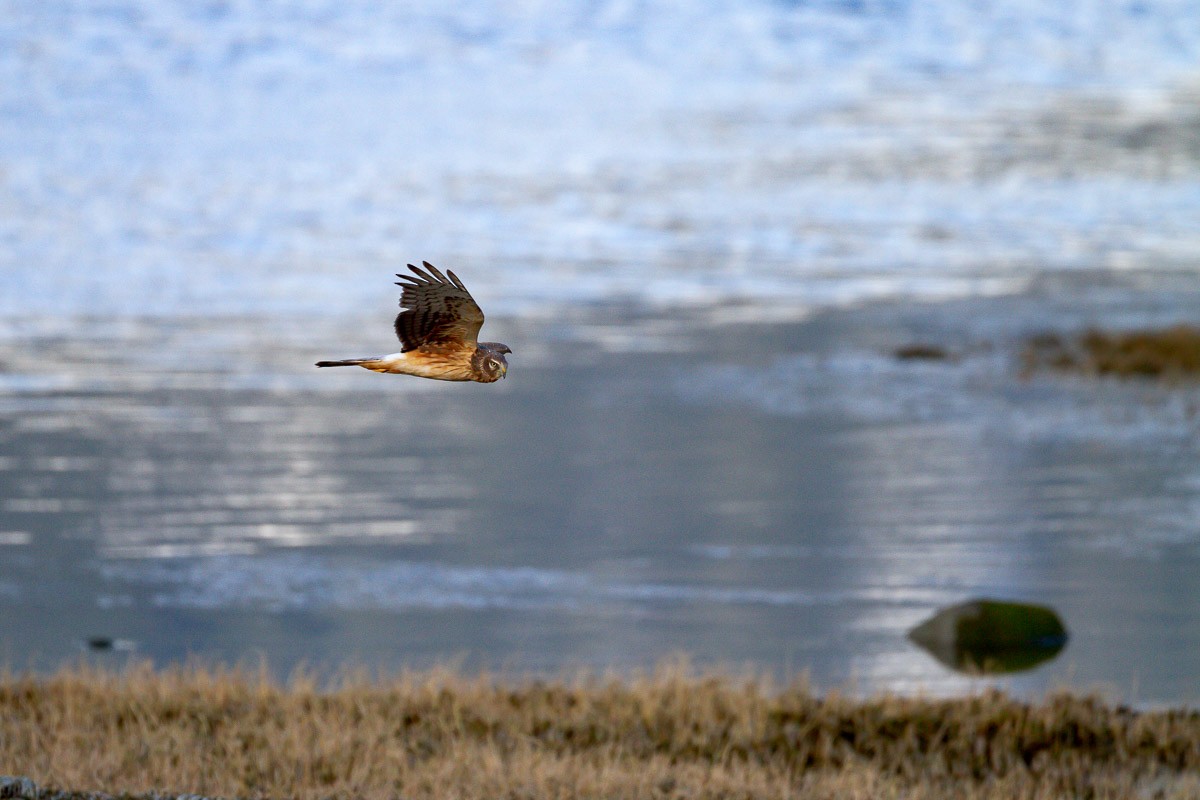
437	273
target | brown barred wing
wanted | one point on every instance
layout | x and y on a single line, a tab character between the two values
438	310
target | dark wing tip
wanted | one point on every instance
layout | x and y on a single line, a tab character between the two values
430	274
437	273
421	273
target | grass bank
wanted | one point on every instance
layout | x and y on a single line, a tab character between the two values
1171	354
669	734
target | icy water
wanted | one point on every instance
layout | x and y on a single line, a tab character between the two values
703	228
788	496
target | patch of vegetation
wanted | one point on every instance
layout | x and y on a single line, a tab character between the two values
1169	353
669	734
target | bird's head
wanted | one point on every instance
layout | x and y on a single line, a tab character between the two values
490	361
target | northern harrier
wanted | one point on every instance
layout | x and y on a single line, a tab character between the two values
438	329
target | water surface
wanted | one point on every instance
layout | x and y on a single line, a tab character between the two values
703	228
784	495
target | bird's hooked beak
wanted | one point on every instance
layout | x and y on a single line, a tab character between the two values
503	370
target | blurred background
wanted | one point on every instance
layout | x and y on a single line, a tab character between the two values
707	230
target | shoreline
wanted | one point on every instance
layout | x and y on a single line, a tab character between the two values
673	732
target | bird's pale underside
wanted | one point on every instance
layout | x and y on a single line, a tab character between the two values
438	330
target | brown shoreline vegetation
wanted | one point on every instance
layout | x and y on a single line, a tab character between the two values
1171	353
671	733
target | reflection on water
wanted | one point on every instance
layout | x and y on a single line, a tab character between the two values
997	660
786	494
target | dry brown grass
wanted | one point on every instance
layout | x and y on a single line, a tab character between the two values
1168	353
671	734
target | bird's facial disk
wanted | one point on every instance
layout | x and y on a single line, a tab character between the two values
489	360
496	364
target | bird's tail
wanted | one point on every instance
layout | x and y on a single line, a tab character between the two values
348	362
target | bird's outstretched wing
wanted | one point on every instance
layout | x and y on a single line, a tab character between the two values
438	310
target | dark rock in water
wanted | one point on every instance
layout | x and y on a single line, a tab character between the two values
106	644
992	636
921	352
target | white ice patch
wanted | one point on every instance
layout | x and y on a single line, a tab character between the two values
242	158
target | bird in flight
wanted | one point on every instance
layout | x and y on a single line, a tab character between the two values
438	330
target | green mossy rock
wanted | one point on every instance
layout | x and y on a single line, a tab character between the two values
992	636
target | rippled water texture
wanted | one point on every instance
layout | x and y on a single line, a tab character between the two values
788	495
704	230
